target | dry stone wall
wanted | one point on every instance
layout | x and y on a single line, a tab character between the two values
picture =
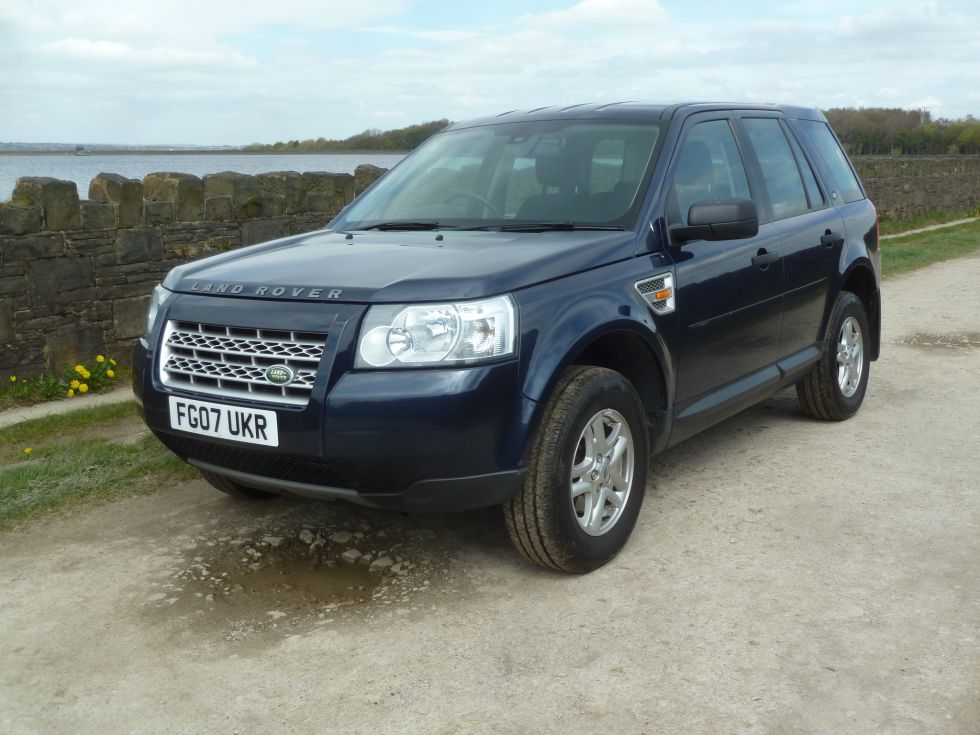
903	187
75	275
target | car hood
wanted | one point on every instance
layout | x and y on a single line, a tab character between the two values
372	267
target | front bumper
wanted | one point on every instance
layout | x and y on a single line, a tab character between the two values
415	440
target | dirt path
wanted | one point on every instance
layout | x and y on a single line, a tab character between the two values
786	576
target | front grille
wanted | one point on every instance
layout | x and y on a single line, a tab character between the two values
231	361
262	464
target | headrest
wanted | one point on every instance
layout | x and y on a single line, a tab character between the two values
694	165
548	164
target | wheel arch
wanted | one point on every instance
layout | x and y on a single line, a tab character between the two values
860	281
629	349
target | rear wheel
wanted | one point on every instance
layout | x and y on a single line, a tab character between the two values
235	489
835	388
587	477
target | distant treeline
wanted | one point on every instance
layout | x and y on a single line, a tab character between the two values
401	139
875	131
879	131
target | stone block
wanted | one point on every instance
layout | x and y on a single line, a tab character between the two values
6	321
219	209
58	199
13	286
126	194
263	230
139	244
72	343
184	191
19	219
365	175
320	201
272	204
32	247
98	215
53	279
289	184
244	191
129	317
337	188
158	213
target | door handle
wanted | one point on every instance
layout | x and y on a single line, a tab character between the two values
831	239
763	258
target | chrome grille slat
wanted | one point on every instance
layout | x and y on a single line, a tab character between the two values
231	361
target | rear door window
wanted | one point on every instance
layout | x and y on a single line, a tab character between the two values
780	171
819	135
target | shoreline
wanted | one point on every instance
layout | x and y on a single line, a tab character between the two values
200	152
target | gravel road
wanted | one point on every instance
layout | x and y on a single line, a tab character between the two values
786	576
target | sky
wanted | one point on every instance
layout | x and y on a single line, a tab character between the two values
217	72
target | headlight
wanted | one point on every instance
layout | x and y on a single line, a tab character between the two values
157	298
423	334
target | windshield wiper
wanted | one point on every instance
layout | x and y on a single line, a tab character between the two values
558	226
406	225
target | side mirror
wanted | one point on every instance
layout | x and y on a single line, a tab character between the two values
719	219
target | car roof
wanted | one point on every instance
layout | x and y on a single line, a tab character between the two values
632	110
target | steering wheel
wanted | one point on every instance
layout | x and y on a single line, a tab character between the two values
476	197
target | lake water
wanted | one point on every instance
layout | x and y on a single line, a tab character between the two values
82	169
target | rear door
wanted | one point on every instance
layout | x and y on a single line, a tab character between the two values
811	233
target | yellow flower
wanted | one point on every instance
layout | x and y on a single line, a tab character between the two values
70	393
86	374
79	368
13	378
111	361
75	383
27	451
83	388
110	373
100	358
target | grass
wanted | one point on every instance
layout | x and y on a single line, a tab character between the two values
70	464
917	251
897	226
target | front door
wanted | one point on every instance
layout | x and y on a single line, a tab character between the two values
728	292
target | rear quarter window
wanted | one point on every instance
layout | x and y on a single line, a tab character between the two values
820	137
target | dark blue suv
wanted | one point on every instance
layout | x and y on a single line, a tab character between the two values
522	313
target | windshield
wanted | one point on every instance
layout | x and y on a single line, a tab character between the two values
563	173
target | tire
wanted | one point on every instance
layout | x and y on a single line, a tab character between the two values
834	390
548	521
236	490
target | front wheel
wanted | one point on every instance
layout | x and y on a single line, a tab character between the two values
835	388
588	474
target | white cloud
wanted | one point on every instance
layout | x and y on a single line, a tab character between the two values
927	103
81	49
592	14
224	72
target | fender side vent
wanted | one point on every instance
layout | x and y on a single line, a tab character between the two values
658	292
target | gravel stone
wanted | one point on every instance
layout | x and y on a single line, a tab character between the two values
351	556
380	564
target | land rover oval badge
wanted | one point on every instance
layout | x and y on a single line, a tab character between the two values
280	374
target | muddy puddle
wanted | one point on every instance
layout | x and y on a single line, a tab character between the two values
288	579
956	341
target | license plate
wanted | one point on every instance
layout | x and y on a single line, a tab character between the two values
250	425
